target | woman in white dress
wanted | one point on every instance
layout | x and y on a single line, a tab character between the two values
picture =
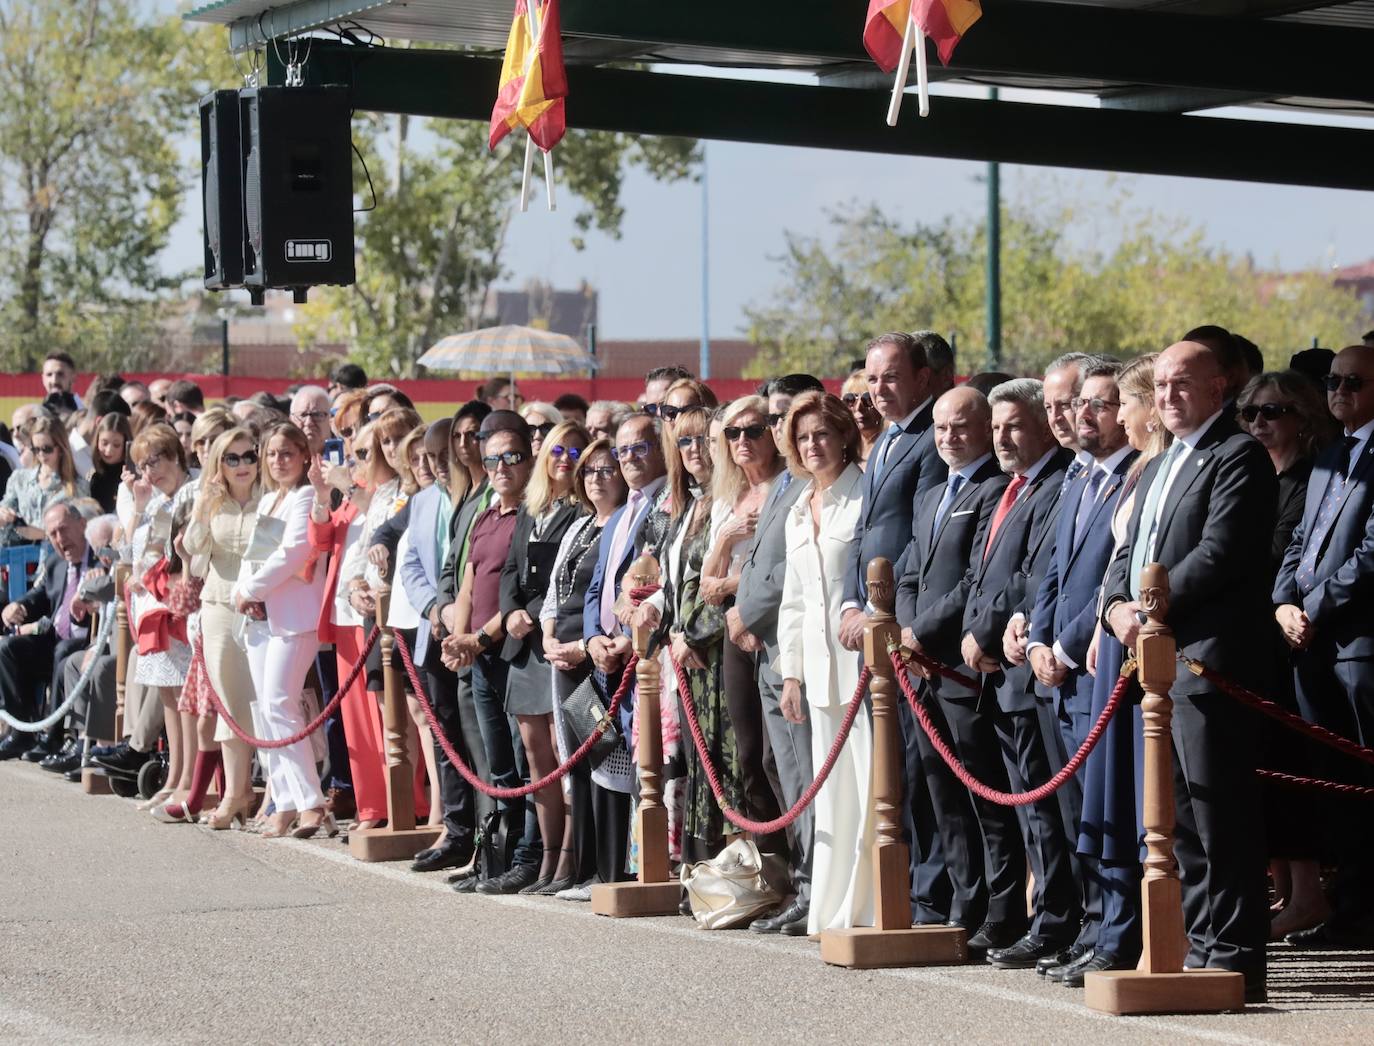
822	444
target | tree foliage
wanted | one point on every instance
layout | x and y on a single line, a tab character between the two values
1157	279
431	249
93	95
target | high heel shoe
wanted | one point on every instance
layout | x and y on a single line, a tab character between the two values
307	829
239	809
279	824
175	813
162	796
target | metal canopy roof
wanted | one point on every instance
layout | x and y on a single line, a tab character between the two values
1138	58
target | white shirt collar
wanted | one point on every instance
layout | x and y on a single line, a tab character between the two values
966	473
1035	470
1109	463
906	421
1084	458
1363	433
1195	437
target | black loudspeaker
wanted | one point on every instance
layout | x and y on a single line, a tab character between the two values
221	190
296	145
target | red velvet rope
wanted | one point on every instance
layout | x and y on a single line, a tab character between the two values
314	724
1280	714
807	797
466	772
1316	784
976	786
940	668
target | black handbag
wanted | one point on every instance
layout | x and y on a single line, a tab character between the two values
583	711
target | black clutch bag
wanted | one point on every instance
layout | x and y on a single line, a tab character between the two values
583	713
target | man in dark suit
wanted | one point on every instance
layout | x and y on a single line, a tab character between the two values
951	520
753	622
1013	550
1205	510
1322	597
48	623
1063	620
902	465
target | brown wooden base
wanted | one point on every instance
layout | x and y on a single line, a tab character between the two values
868	948
1189	991
636	900
94	782
383	844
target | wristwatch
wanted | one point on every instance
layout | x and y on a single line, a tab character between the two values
484	639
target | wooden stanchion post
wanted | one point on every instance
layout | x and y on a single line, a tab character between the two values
400	839
1161	984
94	781
892	940
654	892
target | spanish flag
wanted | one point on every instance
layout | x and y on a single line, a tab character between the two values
533	81
945	21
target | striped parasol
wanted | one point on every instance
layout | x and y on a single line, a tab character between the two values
509	350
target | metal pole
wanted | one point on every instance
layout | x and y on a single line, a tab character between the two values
224	347
591	351
994	262
704	362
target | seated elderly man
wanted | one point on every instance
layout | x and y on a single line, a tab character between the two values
47	624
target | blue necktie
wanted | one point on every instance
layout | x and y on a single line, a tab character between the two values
952	488
1071	473
1326	515
1085	506
879	458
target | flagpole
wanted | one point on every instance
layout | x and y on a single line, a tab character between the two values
548	177
903	67
922	75
525	178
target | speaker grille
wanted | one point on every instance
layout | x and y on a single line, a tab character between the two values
212	229
252	202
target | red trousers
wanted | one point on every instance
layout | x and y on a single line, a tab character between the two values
362	729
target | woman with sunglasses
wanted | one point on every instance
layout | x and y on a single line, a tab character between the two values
682	395
111	452
854	394
541	418
281	637
222	519
346	417
600	813
1288	416
543	519
746	463
52	477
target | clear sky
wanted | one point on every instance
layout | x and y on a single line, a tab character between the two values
650	279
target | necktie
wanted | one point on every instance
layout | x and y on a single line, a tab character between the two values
1142	547
880	451
1326	515
63	624
1003	507
1071	473
953	485
619	540
1085	506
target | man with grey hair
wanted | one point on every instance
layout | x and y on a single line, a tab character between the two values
604	417
310	414
1021	525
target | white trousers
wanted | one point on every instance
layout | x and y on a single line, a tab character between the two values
279	665
842	868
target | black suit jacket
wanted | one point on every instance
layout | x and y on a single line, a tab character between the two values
1000	582
45	599
933	589
1214	534
528	571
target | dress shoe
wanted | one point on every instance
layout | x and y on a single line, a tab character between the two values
557	886
15	745
513	880
472	872
75	776
126	760
539	884
993	935
41	750
582	892
1060	958
1097	961
1058	973
796	927
1333	935
773	922
1025	953
437	859
61	762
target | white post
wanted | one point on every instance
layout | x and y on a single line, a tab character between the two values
525	178
903	66
922	75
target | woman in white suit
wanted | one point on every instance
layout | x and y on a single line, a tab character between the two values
282	644
822	444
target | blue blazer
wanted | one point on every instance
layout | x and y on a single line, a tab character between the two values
1338	604
591	606
419	569
886	520
1064	608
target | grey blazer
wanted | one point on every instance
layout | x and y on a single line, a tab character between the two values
765	569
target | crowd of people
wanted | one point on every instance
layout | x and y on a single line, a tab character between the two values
1018	514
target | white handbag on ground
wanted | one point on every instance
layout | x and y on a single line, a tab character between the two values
730	889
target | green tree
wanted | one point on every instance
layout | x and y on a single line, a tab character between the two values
93	94
1160	278
432	248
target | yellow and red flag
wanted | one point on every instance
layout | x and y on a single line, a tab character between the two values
944	21
533	81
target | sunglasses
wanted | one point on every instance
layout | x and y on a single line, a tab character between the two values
44	450
346	432
599	472
774	420
373	417
248	457
654	410
571	453
749	432
312	415
1267	411
686	442
1096	404
152	461
631	450
851	398
360	453
540	431
510	457
1346	382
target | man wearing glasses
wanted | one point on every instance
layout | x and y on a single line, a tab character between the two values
640	456
310	414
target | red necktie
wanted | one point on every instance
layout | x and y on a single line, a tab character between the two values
1003	507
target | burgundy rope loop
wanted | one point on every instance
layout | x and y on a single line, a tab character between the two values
314	724
1280	714
976	786
1315	784
807	797
940	668
552	777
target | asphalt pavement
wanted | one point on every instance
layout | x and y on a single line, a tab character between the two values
117	929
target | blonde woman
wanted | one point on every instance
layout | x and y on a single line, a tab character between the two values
857	400
222	521
52	477
541	418
282	646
